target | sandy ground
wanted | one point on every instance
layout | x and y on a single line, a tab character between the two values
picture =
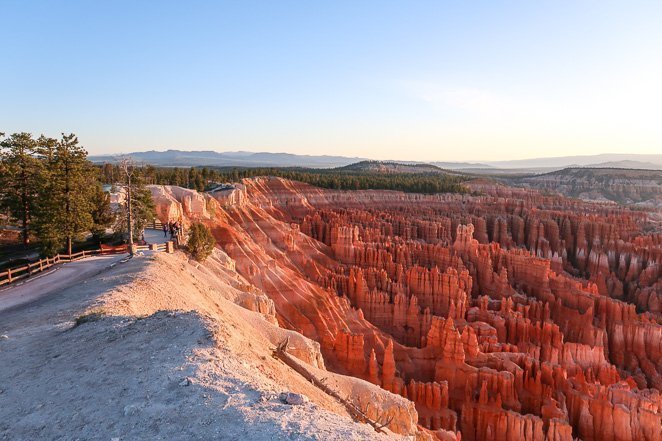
134	369
64	276
156	236
54	280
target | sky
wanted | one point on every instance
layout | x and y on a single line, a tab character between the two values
410	80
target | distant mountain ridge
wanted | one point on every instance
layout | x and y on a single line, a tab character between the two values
601	160
183	158
627	164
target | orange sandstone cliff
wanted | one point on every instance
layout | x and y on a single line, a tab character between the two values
509	315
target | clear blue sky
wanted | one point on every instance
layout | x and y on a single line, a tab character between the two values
418	80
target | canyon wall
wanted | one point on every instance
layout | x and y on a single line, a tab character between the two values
506	315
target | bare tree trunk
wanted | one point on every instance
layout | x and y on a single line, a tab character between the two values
26	237
127	167
130	224
357	414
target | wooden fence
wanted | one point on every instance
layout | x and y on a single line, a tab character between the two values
155	225
158	225
151	247
20	272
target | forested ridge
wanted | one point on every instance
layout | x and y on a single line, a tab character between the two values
205	178
51	192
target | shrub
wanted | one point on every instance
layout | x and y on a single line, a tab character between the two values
89	316
200	241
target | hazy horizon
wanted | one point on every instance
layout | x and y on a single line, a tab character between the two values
425	81
503	159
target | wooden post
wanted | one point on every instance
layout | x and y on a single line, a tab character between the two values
41	265
9	275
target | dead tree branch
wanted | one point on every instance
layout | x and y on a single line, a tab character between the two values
359	415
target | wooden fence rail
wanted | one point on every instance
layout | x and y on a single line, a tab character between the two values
158	225
20	272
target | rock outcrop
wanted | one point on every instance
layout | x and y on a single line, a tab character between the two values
509	315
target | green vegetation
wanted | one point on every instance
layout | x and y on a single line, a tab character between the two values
67	184
20	179
102	214
200	242
89	316
50	191
344	178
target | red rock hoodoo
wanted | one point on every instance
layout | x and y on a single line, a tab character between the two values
505	316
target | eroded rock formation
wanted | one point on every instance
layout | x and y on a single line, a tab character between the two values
509	315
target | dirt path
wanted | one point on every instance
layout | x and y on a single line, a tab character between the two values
156	236
57	279
161	376
65	276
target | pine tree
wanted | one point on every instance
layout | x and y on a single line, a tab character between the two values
201	242
46	216
108	174
65	209
46	149
144	210
20	179
102	213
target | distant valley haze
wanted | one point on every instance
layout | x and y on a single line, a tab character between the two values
186	158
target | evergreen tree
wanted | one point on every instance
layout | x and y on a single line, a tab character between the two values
46	149
199	183
76	179
109	174
46	207
149	174
20	179
200	241
143	207
102	213
65	209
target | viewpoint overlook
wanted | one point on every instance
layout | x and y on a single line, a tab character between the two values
330	221
497	313
510	315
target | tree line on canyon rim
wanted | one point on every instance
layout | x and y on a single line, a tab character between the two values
50	191
204	178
